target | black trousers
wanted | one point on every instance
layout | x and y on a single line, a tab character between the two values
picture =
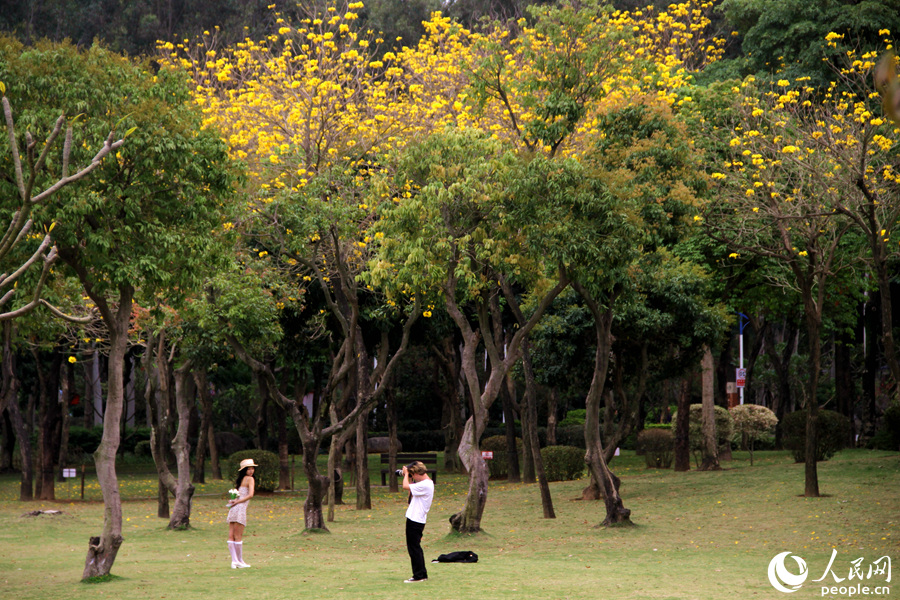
414	547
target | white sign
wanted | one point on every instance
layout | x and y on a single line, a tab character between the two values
741	379
69	473
487	455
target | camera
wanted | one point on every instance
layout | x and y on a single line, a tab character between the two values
399	472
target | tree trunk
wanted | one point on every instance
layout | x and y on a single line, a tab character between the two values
682	427
284	460
67	388
710	440
8	435
158	405
530	432
102	550
10	400
363	484
393	485
51	423
509	416
811	483
552	419
469	519
185	393
608	483
313	518
205	434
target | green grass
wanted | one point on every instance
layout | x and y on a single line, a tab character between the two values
699	535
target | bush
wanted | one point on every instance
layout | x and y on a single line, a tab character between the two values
724	426
266	474
831	437
658	446
888	435
571	436
142	448
574	418
562	463
498	466
84	438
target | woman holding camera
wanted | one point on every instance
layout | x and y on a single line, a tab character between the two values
421	493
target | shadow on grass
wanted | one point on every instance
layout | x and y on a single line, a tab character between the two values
102	579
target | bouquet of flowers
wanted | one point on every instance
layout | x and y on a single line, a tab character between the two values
233	494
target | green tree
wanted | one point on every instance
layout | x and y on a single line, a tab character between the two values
142	229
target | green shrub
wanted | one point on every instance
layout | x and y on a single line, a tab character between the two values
498	466
142	448
574	418
571	436
831	437
658	446
84	438
888	435
266	474
724	426
562	463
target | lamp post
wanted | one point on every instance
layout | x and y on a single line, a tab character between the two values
741	373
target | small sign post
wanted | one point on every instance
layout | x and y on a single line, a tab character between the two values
741	378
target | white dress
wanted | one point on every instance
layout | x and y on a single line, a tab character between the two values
238	512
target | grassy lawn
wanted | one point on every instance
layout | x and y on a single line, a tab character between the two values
698	535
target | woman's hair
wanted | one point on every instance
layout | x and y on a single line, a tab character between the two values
416	468
240	477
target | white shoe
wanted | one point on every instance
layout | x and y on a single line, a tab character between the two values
243	565
235	565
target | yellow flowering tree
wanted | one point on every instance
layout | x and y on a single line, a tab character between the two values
780	193
313	113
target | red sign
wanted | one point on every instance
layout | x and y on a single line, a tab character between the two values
487	455
741	379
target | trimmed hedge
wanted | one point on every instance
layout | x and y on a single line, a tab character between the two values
563	463
658	446
831	437
266	474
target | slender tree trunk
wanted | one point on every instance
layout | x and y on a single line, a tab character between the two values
158	405
67	387
552	419
710	440
811	484
51	423
10	400
205	434
530	432
102	550
185	393
363	484
284	459
682	427
393	442
8	434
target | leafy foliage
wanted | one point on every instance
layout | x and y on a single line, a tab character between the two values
832	434
563	463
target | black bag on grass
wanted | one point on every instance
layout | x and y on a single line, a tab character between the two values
463	556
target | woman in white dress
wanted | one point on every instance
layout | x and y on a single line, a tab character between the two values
237	516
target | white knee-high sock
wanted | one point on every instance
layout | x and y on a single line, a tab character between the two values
233	551
239	551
